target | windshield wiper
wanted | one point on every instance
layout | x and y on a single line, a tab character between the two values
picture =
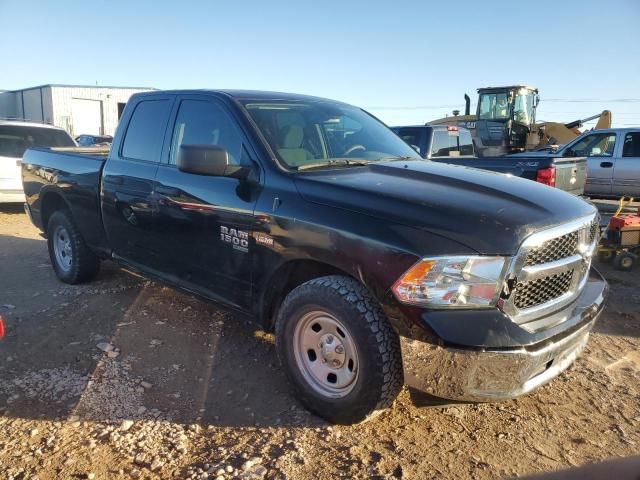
336	162
393	158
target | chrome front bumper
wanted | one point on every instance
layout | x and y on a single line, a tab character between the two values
487	375
481	374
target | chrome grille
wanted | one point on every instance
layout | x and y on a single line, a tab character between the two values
594	233
554	249
549	271
542	290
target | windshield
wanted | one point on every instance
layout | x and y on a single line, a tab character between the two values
15	139
494	106
306	133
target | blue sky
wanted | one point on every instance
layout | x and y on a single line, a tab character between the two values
405	61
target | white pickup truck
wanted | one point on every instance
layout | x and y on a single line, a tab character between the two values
15	137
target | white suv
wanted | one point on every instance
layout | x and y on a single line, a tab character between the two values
15	137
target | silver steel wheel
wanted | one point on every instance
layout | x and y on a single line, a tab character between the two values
62	248
326	354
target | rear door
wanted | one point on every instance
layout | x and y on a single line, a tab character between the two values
127	182
599	148
626	171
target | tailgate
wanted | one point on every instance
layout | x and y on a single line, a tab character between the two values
571	174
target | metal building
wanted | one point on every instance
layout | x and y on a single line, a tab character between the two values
78	109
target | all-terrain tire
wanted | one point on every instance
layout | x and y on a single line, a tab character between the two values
379	362
83	265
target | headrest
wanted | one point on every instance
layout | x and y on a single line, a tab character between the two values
293	135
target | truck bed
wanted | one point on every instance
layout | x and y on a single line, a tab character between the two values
77	171
570	172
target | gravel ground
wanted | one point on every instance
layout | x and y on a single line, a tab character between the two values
125	378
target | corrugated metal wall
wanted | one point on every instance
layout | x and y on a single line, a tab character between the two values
8	104
108	98
54	104
33	103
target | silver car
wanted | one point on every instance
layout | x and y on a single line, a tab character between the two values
15	137
613	167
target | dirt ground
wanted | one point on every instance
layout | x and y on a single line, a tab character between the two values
125	378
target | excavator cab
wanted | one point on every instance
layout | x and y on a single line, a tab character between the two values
505	117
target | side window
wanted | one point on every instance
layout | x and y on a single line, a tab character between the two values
200	122
596	145
143	140
631	147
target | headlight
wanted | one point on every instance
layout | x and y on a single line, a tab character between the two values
459	282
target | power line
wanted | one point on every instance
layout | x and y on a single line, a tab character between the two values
590	100
543	101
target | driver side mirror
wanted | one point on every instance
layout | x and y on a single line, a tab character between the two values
569	153
210	160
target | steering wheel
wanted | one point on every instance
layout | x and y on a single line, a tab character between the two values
353	148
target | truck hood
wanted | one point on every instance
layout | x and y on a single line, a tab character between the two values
488	212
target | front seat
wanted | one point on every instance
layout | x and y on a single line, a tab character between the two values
291	151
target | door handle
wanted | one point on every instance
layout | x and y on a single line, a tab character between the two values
169	191
606	164
114	180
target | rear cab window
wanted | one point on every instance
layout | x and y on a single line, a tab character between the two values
451	142
145	132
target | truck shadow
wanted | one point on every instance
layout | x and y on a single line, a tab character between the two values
170	357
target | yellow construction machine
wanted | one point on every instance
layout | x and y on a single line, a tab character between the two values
505	122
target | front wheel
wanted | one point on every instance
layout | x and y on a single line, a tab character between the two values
338	349
72	260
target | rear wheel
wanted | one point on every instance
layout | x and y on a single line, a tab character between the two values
338	349
606	255
72	260
624	261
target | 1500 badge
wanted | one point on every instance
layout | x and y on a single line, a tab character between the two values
238	238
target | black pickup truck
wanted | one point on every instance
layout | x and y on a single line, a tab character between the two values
313	218
453	145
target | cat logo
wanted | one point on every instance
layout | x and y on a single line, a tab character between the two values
238	238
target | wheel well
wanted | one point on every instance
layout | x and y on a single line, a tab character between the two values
288	277
52	202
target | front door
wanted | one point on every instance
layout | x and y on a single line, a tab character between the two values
599	149
205	222
626	173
